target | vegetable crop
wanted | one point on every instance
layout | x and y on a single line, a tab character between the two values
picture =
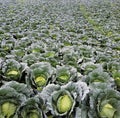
59	59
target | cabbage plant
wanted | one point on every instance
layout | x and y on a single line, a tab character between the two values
10	101
48	54
65	74
29	59
70	59
88	67
19	87
23	42
53	61
113	66
116	77
18	53
35	48
99	76
104	102
39	75
7	45
12	70
61	100
32	108
13	95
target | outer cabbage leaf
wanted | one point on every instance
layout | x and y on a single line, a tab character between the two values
19	87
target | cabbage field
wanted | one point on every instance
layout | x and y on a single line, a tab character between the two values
59	58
